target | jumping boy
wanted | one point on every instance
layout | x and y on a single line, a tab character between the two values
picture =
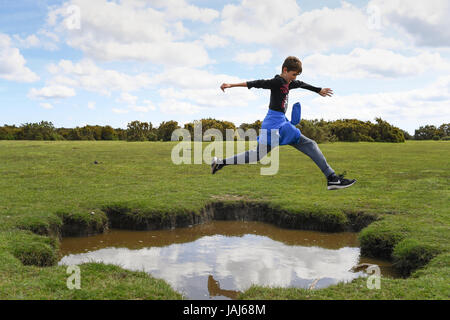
275	119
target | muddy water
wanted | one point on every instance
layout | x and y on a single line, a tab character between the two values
219	259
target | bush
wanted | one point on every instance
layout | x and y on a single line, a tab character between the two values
165	129
8	132
382	131
207	124
255	125
107	133
429	132
64	133
36	131
152	136
93	132
56	137
351	130
80	134
444	130
407	135
138	131
121	134
319	131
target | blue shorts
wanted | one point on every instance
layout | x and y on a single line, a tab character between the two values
286	132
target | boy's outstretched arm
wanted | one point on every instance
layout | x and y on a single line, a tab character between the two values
231	85
324	92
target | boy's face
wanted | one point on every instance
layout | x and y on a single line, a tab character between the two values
290	75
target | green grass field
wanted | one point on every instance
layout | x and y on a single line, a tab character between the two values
45	185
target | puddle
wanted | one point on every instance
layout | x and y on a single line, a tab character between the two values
219	259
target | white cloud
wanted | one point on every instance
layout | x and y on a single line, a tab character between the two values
119	111
162	52
42	39
127	98
213	41
132	103
30	41
52	92
12	63
149	105
286	28
259	57
146	108
87	75
48	34
210	98
426	22
193	78
406	109
46	105
260	23
177	107
107	32
374	63
179	9
179	30
202	88
290	30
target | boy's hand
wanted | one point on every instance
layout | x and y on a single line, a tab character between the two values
225	86
326	92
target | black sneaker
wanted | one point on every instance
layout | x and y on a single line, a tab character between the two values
338	182
215	165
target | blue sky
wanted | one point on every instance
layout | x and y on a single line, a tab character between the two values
105	62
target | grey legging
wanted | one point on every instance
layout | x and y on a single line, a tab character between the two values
305	145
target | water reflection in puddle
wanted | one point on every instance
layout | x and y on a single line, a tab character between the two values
221	258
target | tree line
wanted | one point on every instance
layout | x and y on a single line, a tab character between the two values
318	130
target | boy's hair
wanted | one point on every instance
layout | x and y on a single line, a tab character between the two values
292	64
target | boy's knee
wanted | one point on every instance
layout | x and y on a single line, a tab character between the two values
313	145
310	141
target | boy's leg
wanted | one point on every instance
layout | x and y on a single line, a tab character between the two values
311	149
249	156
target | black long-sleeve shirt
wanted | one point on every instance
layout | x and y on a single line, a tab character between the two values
279	90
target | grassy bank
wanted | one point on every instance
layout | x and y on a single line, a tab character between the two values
52	189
